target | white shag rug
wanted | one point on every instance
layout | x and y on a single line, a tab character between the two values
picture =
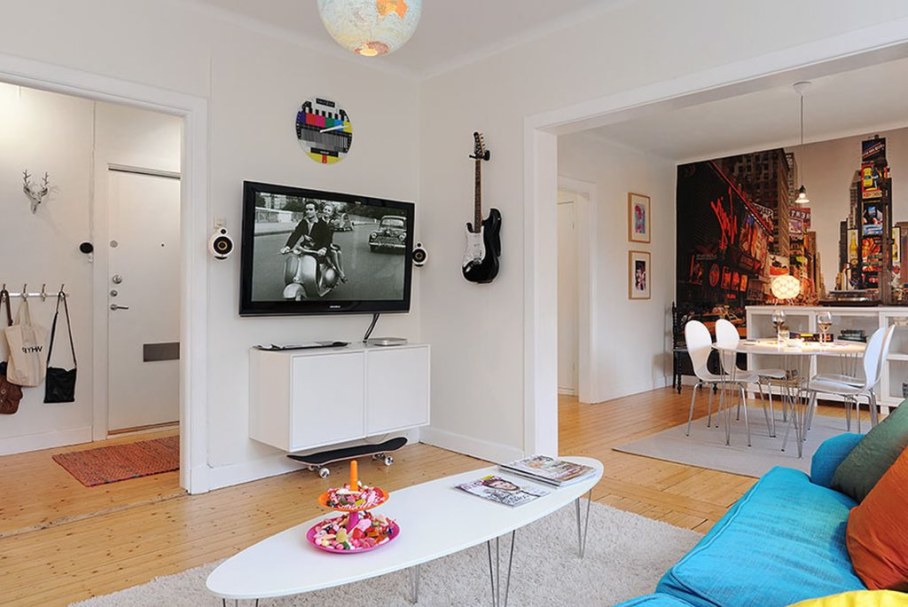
706	448
626	554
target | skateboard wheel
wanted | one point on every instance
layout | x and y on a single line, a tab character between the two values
324	472
389	460
377	456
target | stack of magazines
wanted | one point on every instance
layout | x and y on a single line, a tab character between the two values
549	470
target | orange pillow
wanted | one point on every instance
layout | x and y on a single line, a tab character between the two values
877	532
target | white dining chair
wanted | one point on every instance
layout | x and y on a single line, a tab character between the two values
873	361
699	346
727	338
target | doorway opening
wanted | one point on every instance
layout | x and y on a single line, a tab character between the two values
193	292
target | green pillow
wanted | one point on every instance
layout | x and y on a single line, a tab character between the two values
869	460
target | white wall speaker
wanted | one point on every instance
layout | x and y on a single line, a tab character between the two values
221	244
419	255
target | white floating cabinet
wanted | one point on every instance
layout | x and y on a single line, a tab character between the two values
305	399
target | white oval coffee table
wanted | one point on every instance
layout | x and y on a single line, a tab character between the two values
287	564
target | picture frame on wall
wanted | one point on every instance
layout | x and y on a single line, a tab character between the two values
639	274
638	217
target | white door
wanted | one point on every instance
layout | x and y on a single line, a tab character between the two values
143	300
568	337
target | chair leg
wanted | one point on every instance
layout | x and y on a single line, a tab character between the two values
874	410
847	415
693	399
709	409
857	412
743	403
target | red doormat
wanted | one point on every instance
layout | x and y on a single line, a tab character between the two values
120	462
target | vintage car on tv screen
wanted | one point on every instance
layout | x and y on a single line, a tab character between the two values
391	234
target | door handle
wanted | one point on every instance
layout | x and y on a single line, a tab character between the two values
118	307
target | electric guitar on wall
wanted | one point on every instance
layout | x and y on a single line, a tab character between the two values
480	260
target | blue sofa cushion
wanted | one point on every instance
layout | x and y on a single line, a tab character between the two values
655	600
782	542
829	455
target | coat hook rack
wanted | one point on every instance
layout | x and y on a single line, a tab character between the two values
43	294
35	192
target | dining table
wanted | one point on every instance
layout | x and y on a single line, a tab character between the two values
794	357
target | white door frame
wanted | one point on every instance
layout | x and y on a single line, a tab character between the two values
842	52
587	219
194	470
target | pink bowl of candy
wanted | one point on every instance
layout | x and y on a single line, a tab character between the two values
347	500
368	532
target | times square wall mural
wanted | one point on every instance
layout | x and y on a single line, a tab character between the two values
738	227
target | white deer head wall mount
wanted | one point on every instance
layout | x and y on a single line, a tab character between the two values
35	193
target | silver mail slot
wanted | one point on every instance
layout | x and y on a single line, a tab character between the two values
164	351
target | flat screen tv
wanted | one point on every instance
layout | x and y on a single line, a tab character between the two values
314	252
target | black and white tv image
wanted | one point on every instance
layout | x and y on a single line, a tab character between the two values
309	251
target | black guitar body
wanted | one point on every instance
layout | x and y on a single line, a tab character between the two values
487	270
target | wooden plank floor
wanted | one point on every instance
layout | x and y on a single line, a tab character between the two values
61	542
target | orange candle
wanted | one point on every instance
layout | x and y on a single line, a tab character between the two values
353	475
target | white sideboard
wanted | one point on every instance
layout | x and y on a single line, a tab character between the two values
804	319
304	399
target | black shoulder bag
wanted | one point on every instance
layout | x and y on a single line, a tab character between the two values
10	394
60	384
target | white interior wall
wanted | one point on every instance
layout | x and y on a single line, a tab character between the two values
827	168
250	79
53	133
66	136
492	384
629	343
253	83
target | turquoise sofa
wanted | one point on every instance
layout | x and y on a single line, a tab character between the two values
782	542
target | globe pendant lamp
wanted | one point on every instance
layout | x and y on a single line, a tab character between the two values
370	27
801	88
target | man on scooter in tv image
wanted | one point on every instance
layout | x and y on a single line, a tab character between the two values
310	271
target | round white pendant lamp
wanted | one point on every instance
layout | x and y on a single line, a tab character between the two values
370	27
785	287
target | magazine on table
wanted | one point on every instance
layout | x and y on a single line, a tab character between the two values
503	491
549	470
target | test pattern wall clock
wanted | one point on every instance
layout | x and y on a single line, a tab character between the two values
324	130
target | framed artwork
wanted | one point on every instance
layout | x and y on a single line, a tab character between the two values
638	219
638	269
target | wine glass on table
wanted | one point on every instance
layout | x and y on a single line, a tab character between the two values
778	321
824	322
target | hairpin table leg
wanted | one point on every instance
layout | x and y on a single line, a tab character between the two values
581	534
414	584
495	573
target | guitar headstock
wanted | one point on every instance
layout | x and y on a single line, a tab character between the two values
479	147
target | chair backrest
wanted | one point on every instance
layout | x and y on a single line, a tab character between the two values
699	345
873	355
727	338
726	334
881	355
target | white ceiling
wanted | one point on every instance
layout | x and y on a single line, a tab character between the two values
857	102
457	32
450	32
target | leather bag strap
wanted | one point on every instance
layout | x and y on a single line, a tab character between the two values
53	329
4	297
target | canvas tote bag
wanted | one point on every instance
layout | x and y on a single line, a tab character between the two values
27	364
10	394
60	384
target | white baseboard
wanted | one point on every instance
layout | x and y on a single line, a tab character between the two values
493	452
45	440
236	474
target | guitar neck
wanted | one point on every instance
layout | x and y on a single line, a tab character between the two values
477	211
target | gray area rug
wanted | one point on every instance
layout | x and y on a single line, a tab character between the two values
706	448
626	555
